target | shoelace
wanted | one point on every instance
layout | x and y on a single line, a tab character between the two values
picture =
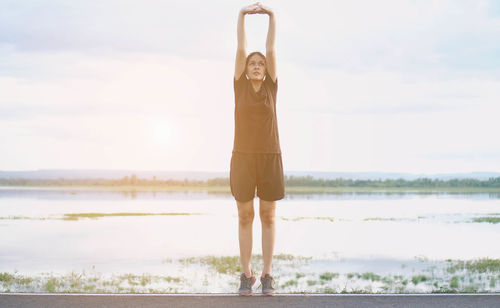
247	282
271	282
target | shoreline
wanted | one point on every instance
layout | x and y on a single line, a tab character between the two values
226	189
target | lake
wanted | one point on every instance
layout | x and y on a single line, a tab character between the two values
63	240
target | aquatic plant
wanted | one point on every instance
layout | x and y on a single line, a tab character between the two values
491	220
222	265
76	216
370	276
289	283
469	289
475	266
328	276
481	275
328	290
51	285
418	279
6	278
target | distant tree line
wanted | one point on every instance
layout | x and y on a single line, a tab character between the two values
302	181
418	183
133	180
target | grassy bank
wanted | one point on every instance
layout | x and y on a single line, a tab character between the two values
293	274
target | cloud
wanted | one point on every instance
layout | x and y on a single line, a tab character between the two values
116	26
389	35
69	84
363	85
404	36
336	91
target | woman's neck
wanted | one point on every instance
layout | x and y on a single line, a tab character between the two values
256	84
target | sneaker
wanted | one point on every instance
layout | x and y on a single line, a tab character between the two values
267	285
246	285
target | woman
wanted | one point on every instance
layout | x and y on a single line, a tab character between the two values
256	159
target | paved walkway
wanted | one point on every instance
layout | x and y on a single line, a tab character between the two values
231	300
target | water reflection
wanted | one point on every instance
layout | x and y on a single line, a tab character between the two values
82	194
85	194
350	233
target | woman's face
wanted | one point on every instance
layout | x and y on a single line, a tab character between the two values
256	68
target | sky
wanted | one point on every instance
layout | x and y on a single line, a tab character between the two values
384	86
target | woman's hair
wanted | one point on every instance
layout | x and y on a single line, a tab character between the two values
250	55
254	53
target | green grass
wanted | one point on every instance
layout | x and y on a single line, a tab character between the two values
75	280
480	275
231	264
289	283
418	279
493	282
475	266
171	279
328	290
328	276
145	279
222	265
51	285
6	278
469	289
370	276
132	283
89	289
491	220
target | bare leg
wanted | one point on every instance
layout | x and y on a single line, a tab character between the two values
245	218
267	217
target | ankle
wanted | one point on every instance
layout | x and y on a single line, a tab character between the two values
248	273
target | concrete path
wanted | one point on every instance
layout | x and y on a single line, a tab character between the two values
231	300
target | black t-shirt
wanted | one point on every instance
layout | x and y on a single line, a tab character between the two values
256	124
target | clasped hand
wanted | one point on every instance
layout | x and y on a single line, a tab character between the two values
257	8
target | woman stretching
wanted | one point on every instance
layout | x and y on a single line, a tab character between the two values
256	158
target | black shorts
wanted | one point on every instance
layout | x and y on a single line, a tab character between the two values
255	170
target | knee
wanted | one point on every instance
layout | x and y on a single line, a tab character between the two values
245	216
267	218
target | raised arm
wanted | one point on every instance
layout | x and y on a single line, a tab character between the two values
241	51
270	49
